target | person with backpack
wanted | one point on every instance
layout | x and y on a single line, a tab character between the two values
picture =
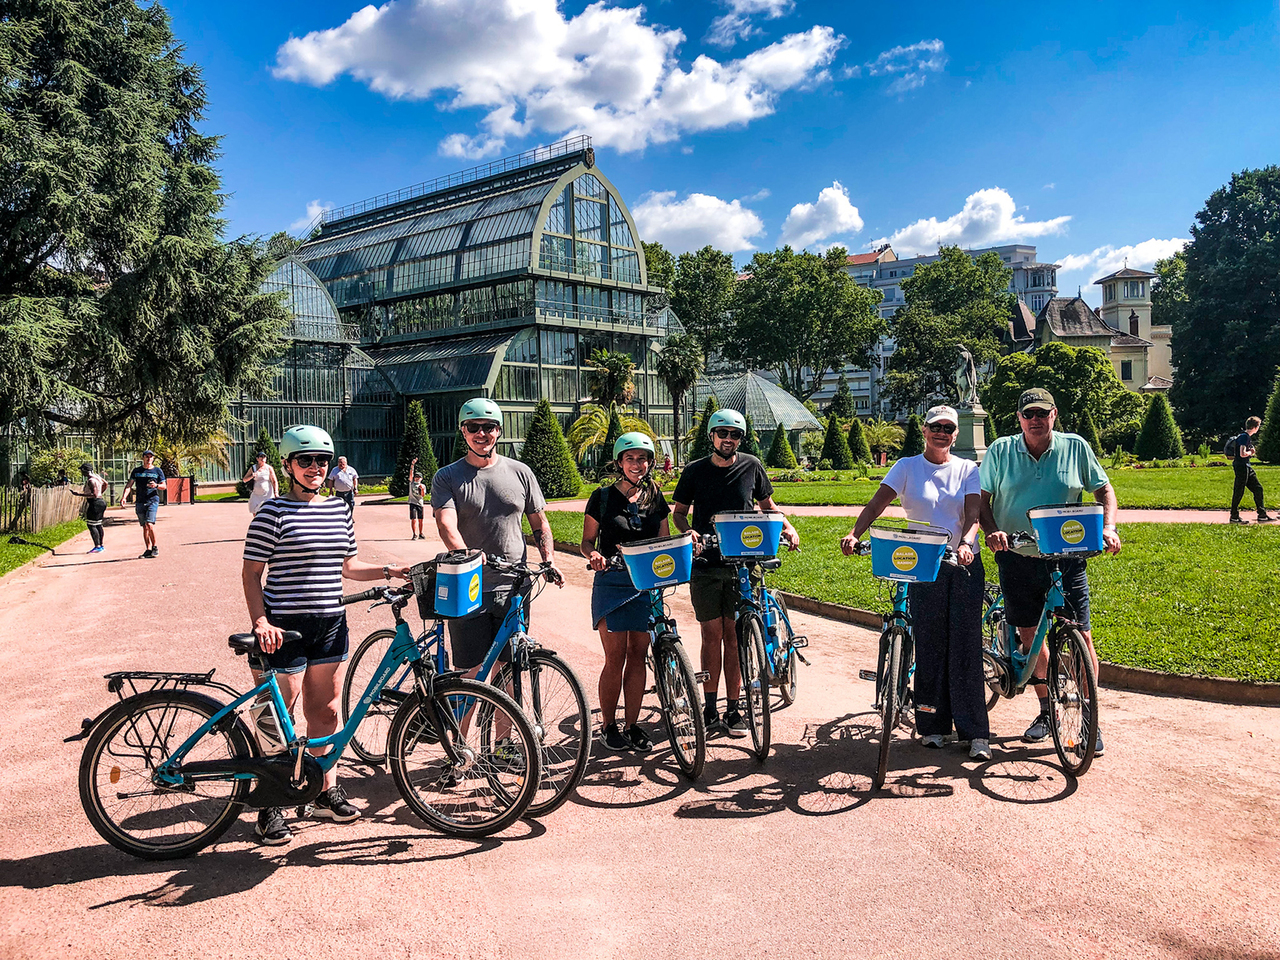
1241	450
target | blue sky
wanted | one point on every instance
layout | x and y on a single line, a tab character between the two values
1095	133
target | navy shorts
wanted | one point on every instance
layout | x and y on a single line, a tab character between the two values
324	640
146	511
472	636
1025	583
618	603
415	511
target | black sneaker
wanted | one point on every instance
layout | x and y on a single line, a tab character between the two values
640	741
735	723
147	554
715	726
1038	730
333	803
1266	518
1240	520
615	739
271	828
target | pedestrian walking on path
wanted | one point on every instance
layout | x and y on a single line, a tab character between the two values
145	484
344	482
1246	478
94	488
265	485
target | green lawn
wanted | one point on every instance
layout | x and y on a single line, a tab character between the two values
1181	598
14	555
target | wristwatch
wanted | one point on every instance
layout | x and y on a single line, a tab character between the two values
386	572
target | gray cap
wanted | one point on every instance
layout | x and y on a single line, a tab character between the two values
1036	397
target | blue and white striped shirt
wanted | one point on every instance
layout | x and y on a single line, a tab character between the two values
303	546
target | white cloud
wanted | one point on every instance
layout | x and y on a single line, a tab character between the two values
698	220
1108	259
831	216
314	209
909	66
988	217
605	72
764	193
736	24
1049	186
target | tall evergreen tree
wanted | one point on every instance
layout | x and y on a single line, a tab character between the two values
858	446
547	454
835	447
1269	436
913	440
780	453
611	434
701	446
842	403
264	444
416	444
1160	438
459	446
751	441
1089	430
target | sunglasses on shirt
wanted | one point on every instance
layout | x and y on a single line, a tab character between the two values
481	427
941	427
724	433
306	460
633	517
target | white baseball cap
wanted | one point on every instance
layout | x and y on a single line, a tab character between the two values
939	413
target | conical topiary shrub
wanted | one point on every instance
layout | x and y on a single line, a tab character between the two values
858	446
264	444
1089	430
1268	437
1160	438
611	434
835	447
750	443
780	453
701	446
842	404
416	443
547	454
459	446
913	440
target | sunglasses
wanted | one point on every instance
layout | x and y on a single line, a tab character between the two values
306	460
481	427
724	433
633	517
1035	414
941	427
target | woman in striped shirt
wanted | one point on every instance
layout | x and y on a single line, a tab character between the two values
306	544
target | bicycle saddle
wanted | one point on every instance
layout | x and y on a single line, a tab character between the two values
245	643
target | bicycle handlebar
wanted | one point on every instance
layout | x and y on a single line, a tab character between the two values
525	569
377	593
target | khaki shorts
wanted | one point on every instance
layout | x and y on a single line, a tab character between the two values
714	592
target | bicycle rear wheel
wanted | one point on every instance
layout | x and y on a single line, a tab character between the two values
499	760
892	643
1073	701
787	676
681	705
370	739
554	700
755	681
123	802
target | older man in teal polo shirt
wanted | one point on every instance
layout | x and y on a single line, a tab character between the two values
1037	468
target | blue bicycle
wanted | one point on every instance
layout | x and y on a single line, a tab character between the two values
541	683
167	770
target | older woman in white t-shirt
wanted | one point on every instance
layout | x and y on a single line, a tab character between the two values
943	491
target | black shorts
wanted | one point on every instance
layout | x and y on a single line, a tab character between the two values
324	640
415	511
1025	583
471	637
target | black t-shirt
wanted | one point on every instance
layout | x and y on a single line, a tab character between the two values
611	510
712	489
1243	442
140	477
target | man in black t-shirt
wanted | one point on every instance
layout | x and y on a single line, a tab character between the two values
145	484
726	481
1245	476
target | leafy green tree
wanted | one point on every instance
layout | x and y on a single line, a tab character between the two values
858	445
883	436
121	311
780	453
612	432
1080	379
751	441
842	403
1169	290
44	463
1227	345
416	444
661	266
1089	430
835	446
702	295
701	446
264	444
678	366
913	439
593	427
957	299
547	454
800	312
611	377
1269	436
1160	438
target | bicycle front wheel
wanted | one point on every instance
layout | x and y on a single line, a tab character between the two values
893	642
370	739
1073	701
122	799
681	704
498	761
755	682
555	701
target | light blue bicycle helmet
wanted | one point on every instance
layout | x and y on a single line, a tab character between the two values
305	439
480	408
727	418
634	441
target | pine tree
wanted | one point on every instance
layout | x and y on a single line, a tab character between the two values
913	441
858	446
835	447
1269	436
701	446
842	403
780	453
1089	430
547	454
1160	438
459	446
265	445
416	443
750	442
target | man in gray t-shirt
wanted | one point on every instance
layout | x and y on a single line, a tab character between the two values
478	503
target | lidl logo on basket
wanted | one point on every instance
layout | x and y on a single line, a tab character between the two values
752	537
474	590
904	558
1073	531
664	565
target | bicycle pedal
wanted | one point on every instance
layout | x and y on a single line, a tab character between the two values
804	659
701	676
799	642
867	675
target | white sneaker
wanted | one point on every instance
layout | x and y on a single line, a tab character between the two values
933	741
979	749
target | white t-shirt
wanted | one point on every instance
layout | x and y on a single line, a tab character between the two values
934	493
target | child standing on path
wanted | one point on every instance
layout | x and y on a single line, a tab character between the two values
417	493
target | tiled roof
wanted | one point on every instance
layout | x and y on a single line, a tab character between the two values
1128	273
1157	383
1022	324
1072	317
1128	340
858	258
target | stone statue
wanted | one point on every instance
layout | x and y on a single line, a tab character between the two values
965	376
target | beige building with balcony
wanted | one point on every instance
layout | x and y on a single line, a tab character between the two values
1126	308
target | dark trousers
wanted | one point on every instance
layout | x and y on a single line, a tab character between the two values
93	514
947	623
1246	478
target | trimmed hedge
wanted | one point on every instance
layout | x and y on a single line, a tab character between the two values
780	453
547	454
835	447
416	443
1160	438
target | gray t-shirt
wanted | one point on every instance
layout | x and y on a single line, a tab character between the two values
490	503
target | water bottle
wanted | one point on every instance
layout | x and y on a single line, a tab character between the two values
270	737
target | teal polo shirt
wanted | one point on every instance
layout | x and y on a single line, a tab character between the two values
1019	482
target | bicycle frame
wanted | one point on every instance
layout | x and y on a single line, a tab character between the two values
758	599
1009	646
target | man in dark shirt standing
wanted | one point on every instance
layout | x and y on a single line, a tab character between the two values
1245	476
726	481
144	487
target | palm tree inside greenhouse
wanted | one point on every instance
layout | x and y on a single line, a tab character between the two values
679	366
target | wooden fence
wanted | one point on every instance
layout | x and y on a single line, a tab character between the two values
37	508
